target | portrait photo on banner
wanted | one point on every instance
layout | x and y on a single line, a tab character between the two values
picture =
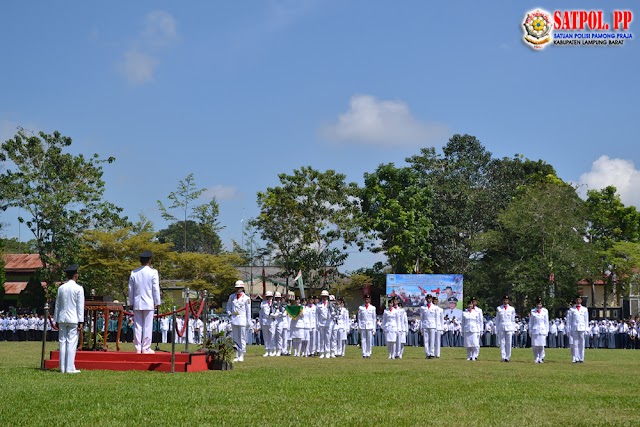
412	289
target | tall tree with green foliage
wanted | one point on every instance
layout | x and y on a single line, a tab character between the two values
396	212
309	221
199	223
469	189
610	220
537	248
60	192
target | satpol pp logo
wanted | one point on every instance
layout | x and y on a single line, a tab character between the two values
537	28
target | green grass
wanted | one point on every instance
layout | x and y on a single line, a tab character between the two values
347	391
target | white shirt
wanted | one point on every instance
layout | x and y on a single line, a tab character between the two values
69	304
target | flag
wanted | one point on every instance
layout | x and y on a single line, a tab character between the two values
264	282
416	268
298	279
294	311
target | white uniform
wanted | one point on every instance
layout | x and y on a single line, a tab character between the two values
538	329
325	327
577	323
144	296
471	328
164	328
429	317
403	330
268	325
68	313
505	326
390	328
239	311
367	327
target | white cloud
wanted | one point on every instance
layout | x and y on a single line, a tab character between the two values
139	64
382	122
221	192
138	67
620	173
160	29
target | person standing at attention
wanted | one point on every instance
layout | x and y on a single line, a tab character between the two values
68	318
144	297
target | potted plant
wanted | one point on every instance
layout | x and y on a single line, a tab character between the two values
219	350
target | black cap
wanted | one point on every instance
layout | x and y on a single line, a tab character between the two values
473	299
452	299
72	268
429	296
506	297
146	254
366	296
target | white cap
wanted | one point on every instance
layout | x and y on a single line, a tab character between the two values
324	293
239	284
268	294
278	295
332	298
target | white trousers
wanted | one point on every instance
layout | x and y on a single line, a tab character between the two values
313	342
437	343
324	343
577	348
68	339
143	328
239	334
505	344
268	332
429	336
366	339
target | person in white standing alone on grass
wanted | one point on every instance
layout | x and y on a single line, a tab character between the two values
429	326
239	311
69	317
577	323
366	325
144	297
505	325
538	329
471	328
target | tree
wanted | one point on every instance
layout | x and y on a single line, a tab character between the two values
610	220
181	200
108	257
200	235
624	259
215	273
305	219
396	210
469	190
61	193
537	248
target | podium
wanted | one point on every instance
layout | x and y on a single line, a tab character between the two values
93	307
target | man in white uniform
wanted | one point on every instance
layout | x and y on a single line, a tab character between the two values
505	325
239	311
69	317
429	326
267	324
439	327
144	297
325	325
367	325
577	323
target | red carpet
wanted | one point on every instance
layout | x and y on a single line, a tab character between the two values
128	361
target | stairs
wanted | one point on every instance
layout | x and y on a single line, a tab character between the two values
129	361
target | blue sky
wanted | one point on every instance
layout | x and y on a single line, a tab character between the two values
238	92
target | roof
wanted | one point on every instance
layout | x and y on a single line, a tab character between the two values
21	263
14	288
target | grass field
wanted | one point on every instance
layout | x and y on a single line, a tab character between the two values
348	391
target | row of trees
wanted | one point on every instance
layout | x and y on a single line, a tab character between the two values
510	225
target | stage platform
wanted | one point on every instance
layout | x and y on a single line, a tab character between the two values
130	361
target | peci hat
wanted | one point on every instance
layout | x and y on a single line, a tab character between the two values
146	254
239	284
72	268
506	297
366	296
324	293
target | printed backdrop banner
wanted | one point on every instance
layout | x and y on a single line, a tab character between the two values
414	288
